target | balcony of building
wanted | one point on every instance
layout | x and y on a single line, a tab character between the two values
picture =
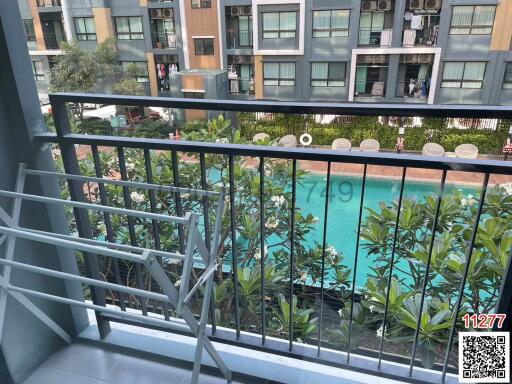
376	23
239	27
371	76
185	253
421	23
163	30
48	3
53	30
414	77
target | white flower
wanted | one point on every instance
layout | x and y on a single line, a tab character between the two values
102	228
472	201
278	200
507	187
175	261
272	223
299	340
463	202
177	283
303	276
185	195
380	330
257	255
372	308
137	197
340	313
331	250
130	166
315	220
222	140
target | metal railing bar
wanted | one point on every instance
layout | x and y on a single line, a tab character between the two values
207	230
427	269
87	280
233	242
466	271
312	154
292	249
324	243
121	247
123	183
262	249
356	258
95	207
177	198
202	279
131	224
293	107
71	244
2	239
104	310
106	218
152	205
392	261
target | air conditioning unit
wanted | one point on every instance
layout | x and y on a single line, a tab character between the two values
369	5
173	59
433	4
384	5
167	12
416	4
409	59
246	10
247	59
236	11
156	13
237	59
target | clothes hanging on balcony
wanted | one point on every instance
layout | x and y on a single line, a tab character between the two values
378	88
385	38
417	22
409	37
171	40
408	16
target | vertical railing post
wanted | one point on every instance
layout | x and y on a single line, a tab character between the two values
262	248
70	162
233	243
292	249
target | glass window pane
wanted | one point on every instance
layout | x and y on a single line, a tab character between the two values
136	24
377	21
319	70
319	83
287	21
474	71
321	19
453	70
89	25
340	19
508	72
208	46
484	15
462	15
471	84
122	25
80	26
271	21
336	71
287	71
450	84
270	70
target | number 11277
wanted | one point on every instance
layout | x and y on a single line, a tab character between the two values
481	321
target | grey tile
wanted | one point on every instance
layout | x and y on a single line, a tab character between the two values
84	359
50	375
131	370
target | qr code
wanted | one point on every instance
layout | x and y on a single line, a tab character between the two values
484	357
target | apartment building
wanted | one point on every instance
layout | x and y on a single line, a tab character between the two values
412	51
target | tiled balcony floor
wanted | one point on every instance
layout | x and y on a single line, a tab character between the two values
87	364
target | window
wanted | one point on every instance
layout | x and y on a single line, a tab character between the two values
371	25
29	30
85	28
507	81
193	95
37	70
203	46
330	23
201	3
245	31
279	25
129	28
328	74
275	74
463	74
472	19
137	69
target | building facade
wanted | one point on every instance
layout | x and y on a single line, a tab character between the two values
412	51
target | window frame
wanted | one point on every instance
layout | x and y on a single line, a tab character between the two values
30	36
278	79
507	84
87	34
331	29
328	79
278	31
130	34
200	4
472	26
139	79
203	40
461	81
38	76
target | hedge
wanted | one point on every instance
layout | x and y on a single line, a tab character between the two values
432	129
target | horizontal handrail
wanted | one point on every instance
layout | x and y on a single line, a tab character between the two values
97	207
312	154
293	107
133	184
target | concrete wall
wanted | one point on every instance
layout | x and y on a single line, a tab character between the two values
26	341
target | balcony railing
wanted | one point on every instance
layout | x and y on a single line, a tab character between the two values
48	3
164	40
269	228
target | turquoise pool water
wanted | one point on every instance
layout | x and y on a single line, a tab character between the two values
343	214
